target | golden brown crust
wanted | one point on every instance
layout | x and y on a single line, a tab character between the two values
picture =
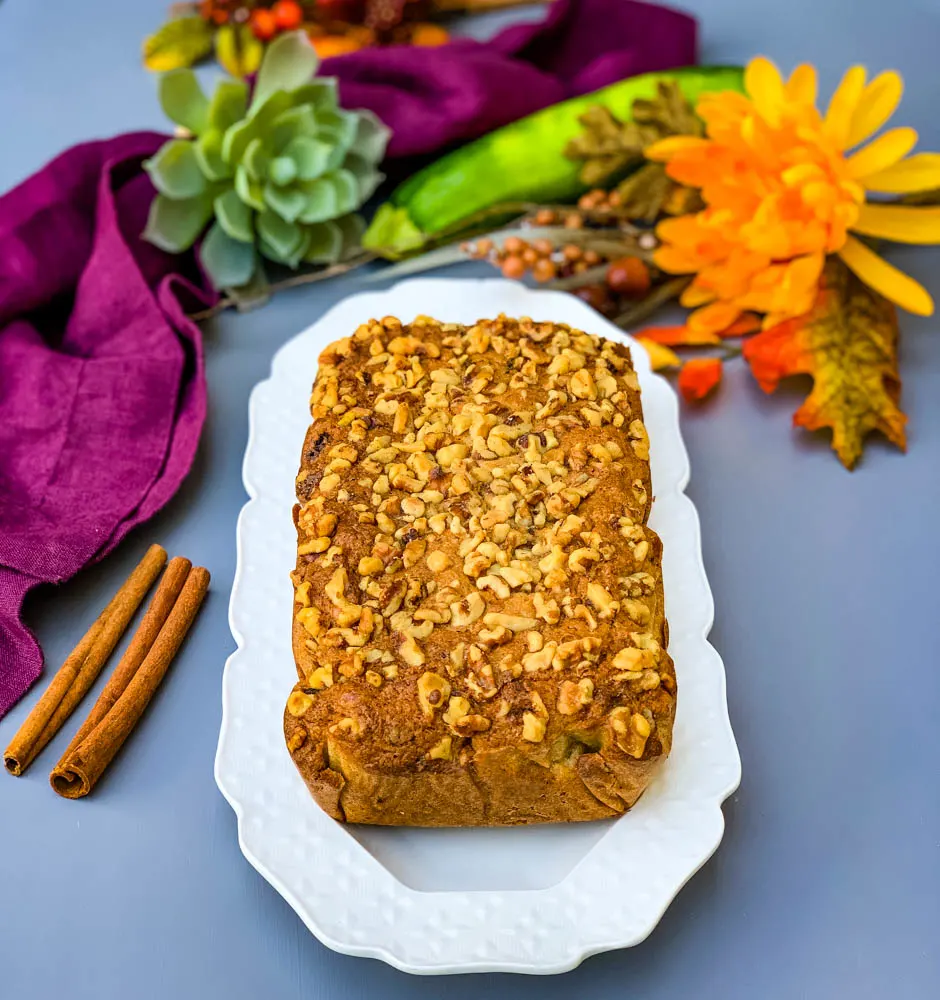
478	621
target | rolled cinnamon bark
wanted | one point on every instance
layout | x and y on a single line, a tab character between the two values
156	615
77	772
84	663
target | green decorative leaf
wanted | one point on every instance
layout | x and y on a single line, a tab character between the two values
293	123
288	202
183	101
248	190
256	159
320	93
178	43
338	127
235	217
288	63
229	104
174	225
229	263
367	177
254	294
238	137
208	149
175	171
310	156
347	191
326	243
322	200
238	50
352	228
282	170
371	137
283	237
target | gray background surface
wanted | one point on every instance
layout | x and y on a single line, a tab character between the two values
827	884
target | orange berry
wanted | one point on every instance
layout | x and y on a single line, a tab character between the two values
529	256
429	35
545	217
628	276
512	244
513	267
574	221
592	257
484	247
327	46
543	270
288	14
542	247
263	24
571	252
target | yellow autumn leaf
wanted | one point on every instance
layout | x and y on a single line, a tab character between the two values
178	43
660	356
238	50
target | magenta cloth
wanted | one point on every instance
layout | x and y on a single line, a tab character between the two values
102	393
465	88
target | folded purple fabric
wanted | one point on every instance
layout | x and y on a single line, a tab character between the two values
466	88
102	394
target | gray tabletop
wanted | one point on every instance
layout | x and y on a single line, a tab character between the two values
827	883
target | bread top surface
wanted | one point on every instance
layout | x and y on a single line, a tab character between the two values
474	568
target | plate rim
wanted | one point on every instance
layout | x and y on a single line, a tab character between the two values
731	762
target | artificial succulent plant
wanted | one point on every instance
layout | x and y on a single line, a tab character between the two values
279	171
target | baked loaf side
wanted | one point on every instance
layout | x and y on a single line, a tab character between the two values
478	621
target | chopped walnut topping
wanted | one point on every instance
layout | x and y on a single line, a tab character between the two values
433	692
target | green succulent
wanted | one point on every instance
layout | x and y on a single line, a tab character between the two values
281	176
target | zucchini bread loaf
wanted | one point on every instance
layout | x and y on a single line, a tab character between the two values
478	605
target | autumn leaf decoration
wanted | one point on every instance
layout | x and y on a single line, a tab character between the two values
608	148
848	344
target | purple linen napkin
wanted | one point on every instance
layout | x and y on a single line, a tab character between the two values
102	394
466	88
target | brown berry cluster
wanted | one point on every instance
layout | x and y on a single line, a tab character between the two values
541	258
625	278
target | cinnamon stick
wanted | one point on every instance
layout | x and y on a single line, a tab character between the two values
82	666
84	763
156	615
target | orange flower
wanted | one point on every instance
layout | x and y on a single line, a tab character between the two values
781	192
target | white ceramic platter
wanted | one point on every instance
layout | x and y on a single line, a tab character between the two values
535	899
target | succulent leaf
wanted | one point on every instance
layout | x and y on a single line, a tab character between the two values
339	127
288	202
321	94
183	101
282	170
250	192
282	236
175	170
289	62
256	159
371	136
326	243
228	104
208	150
310	155
234	216
293	123
367	177
347	191
229	263
174	224
322	200
239	136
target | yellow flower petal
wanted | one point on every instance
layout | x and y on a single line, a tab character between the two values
843	104
886	278
801	87
902	223
883	152
876	105
763	83
660	355
916	173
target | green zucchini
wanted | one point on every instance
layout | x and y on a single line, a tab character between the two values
523	161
